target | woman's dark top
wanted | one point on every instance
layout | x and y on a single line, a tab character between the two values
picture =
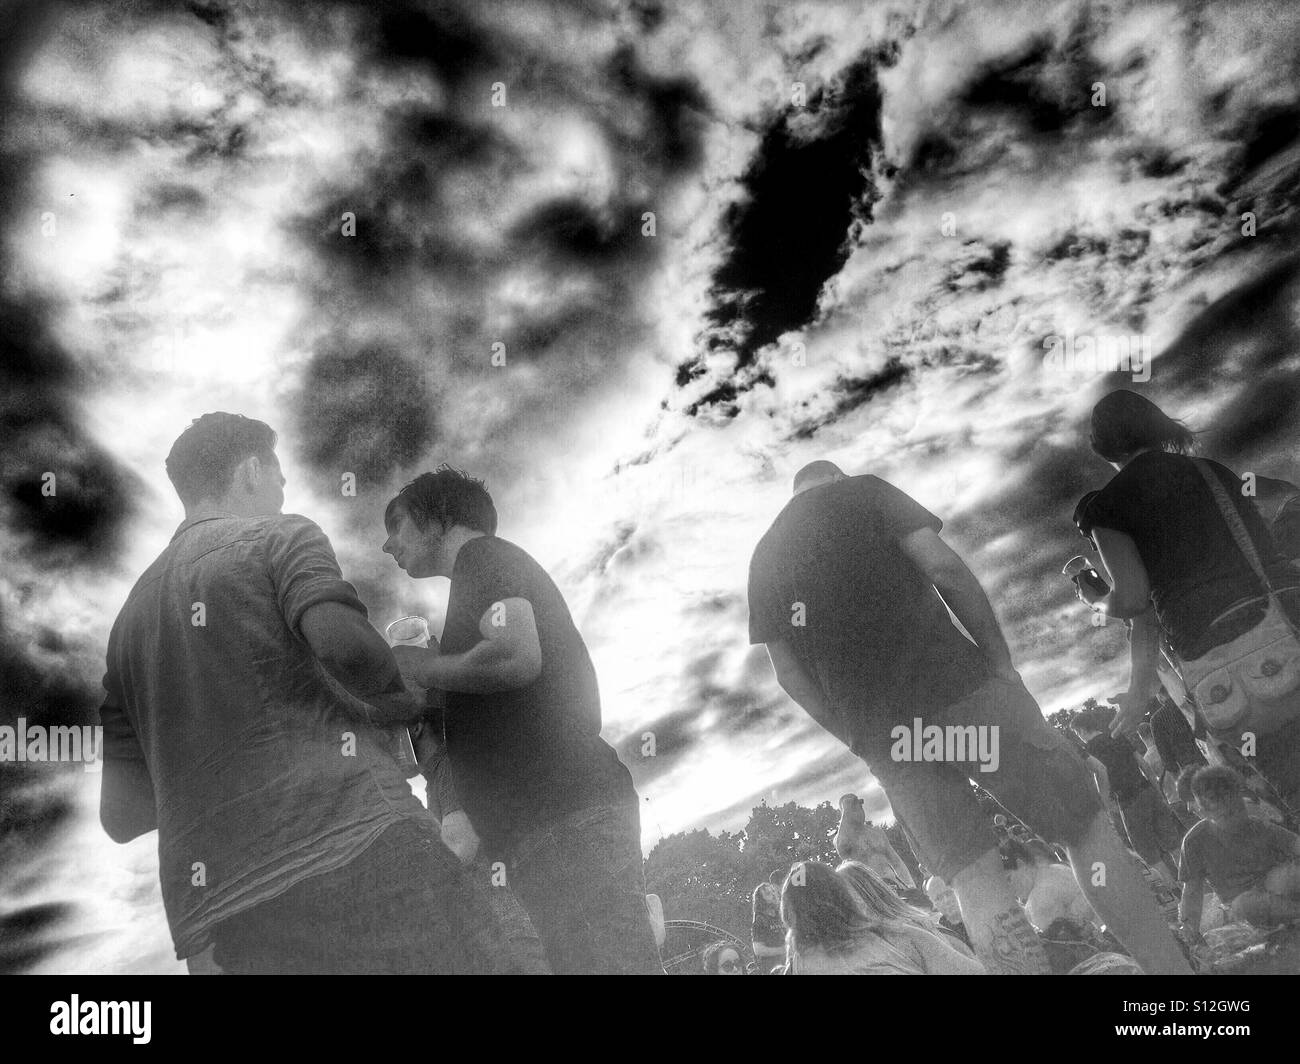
1204	590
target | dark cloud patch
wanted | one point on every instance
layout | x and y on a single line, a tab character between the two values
851	393
1245	333
789	232
670	137
365	410
438	36
570	232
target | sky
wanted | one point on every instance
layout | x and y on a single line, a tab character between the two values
634	264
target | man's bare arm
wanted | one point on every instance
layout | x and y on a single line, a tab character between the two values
801	686
355	655
952	578
509	655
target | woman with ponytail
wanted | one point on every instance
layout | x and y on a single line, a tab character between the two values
1192	563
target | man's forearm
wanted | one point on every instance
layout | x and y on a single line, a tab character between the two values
1144	654
487	666
964	596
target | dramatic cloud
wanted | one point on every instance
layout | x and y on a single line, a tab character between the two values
635	263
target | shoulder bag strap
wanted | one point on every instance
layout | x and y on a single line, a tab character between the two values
1235	524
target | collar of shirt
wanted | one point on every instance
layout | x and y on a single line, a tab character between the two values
201	516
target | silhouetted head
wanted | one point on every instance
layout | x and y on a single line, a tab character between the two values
1124	423
817	473
421	518
821	910
227	461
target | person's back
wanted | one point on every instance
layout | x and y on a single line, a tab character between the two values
1196	571
234	725
831	575
223	695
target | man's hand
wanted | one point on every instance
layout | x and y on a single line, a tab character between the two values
1132	709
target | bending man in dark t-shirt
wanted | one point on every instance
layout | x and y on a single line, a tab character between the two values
549	798
848	590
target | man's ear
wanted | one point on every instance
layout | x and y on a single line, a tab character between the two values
249	473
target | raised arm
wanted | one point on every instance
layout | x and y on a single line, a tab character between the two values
1130	593
355	655
963	594
509	655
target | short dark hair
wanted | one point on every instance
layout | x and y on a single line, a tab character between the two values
448	496
819	468
1124	422
1014	854
202	461
1218	783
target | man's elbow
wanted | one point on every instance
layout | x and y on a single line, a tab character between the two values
121	828
523	668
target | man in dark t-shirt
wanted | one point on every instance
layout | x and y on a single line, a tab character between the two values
549	798
850	590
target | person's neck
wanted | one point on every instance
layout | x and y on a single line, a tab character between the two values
452	541
223	507
1128	458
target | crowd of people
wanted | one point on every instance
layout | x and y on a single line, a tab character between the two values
257	720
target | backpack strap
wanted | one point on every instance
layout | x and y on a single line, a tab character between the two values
1235	524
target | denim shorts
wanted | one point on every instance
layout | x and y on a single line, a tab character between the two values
1041	778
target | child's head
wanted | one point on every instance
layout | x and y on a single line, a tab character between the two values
1218	792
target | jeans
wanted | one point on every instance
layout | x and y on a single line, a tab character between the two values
403	906
582	882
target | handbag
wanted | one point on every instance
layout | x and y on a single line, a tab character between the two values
1247	680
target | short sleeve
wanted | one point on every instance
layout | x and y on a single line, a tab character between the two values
1116	504
304	570
768	618
120	742
485	574
897	514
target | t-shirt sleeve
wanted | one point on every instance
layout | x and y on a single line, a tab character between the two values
1115	506
304	570
485	575
897	514
120	742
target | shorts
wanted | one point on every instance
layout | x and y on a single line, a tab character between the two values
1152	828
1040	777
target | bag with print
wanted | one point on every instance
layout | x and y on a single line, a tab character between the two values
1249	680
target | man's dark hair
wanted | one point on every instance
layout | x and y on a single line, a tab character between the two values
1217	783
448	496
202	461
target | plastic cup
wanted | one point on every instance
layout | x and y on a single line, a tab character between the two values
409	631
